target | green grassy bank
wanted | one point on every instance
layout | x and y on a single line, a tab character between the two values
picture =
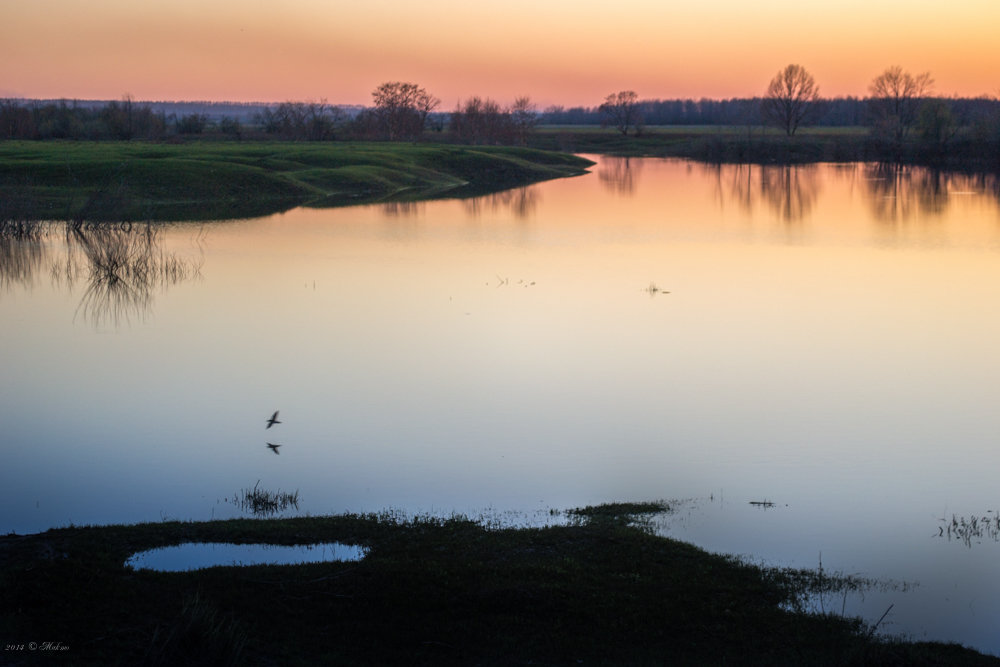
602	590
206	180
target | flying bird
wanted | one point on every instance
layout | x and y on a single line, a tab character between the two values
274	448
273	420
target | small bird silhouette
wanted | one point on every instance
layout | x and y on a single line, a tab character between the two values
273	420
274	448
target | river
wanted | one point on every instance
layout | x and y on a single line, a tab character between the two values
804	359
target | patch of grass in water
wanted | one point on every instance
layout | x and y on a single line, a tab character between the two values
263	503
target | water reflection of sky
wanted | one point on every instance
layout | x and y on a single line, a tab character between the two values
827	343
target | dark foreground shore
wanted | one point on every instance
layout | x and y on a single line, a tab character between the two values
602	590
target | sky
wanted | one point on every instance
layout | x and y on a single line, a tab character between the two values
566	52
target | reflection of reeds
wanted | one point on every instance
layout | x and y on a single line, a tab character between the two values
974	528
813	589
21	249
125	263
261	502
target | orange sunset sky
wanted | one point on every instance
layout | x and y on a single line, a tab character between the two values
556	51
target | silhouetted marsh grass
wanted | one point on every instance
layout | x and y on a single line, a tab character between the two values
200	635
430	591
264	503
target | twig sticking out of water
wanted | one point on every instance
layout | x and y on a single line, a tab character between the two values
871	630
653	289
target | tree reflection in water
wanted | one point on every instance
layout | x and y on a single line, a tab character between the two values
789	191
619	174
899	193
895	193
521	202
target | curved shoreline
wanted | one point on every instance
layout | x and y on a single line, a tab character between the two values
115	181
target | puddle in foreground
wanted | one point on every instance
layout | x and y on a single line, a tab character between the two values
199	555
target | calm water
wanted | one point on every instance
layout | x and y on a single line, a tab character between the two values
199	555
824	338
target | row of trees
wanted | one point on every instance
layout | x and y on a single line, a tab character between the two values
484	121
400	111
119	120
899	103
896	99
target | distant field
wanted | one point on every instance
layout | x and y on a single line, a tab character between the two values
725	143
854	130
204	180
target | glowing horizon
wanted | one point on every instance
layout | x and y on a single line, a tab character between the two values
558	52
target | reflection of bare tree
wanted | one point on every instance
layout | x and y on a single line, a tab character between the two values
124	264
742	188
986	182
619	174
521	202
790	190
899	192
402	209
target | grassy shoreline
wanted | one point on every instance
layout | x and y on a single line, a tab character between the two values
115	181
602	590
212	180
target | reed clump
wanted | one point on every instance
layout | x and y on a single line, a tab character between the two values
972	529
263	503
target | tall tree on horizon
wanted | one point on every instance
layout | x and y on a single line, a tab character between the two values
621	110
402	109
790	98
895	101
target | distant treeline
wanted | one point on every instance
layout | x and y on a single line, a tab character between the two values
836	112
128	119
88	119
965	130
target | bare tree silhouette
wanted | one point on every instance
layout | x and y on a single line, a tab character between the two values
790	98
895	102
621	111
